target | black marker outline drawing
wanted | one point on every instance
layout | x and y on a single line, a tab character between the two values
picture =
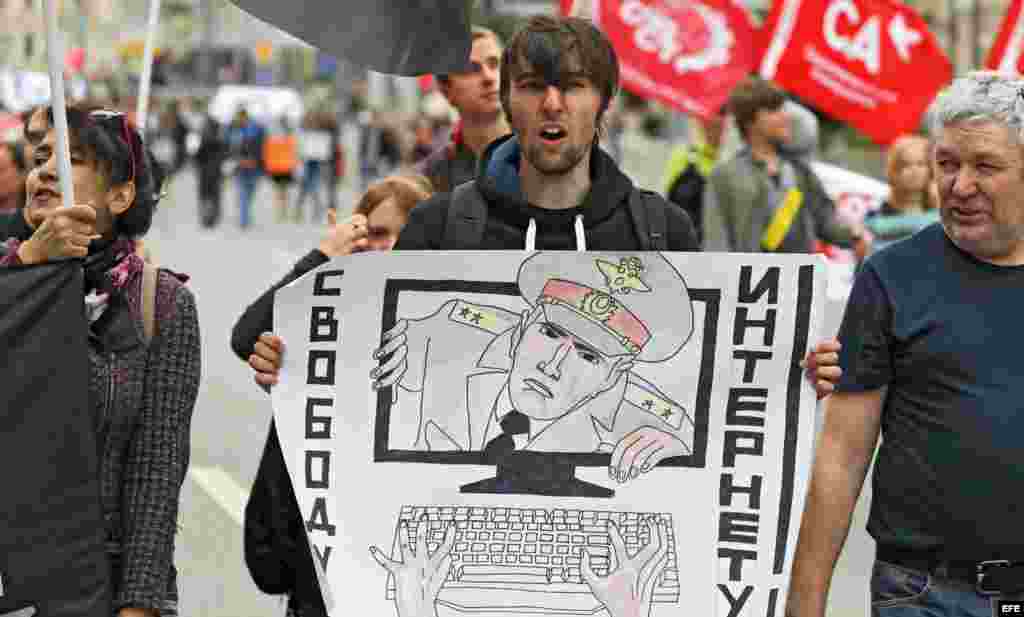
628	399
546	562
625	579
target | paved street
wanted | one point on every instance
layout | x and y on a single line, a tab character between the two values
229	268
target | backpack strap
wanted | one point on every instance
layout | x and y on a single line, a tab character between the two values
467	218
649	219
149	273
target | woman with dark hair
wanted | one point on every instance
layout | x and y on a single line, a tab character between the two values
143	339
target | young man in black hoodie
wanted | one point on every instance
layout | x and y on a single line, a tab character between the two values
549	186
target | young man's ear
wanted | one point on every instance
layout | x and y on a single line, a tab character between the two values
120	197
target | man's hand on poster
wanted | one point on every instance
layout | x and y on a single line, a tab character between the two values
639	452
627	591
266	359
346	238
822	367
420	574
393	370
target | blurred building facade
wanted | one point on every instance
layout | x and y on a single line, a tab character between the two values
966	28
113	32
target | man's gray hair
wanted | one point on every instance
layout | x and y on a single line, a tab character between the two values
981	95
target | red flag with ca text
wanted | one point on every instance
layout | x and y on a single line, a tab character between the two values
686	54
1006	54
871	63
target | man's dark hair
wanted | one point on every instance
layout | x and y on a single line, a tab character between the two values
557	47
120	152
751	96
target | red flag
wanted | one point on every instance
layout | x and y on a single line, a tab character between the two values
872	63
1005	55
688	55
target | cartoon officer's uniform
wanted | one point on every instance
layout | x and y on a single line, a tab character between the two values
460	357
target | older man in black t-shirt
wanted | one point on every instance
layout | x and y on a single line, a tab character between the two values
931	358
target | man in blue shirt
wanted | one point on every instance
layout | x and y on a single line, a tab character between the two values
932	362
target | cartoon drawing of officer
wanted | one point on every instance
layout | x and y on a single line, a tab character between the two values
555	377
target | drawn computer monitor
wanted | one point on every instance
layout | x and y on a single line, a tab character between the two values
468	360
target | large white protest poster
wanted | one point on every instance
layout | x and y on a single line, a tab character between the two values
551	433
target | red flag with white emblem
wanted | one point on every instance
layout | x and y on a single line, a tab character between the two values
686	54
1006	54
871	63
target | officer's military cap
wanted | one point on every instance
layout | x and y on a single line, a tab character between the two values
622	303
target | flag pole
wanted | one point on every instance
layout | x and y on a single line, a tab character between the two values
142	107
55	61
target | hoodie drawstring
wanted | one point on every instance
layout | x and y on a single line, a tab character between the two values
531	234
581	238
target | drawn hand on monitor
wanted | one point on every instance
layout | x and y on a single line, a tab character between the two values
420	574
639	452
396	345
628	589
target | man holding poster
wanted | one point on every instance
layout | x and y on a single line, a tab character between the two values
939	377
358	469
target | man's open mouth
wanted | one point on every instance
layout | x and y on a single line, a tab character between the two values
538	387
553	133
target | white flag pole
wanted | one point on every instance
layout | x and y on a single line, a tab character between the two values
142	107
55	60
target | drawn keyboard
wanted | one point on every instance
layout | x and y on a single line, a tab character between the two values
531	551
